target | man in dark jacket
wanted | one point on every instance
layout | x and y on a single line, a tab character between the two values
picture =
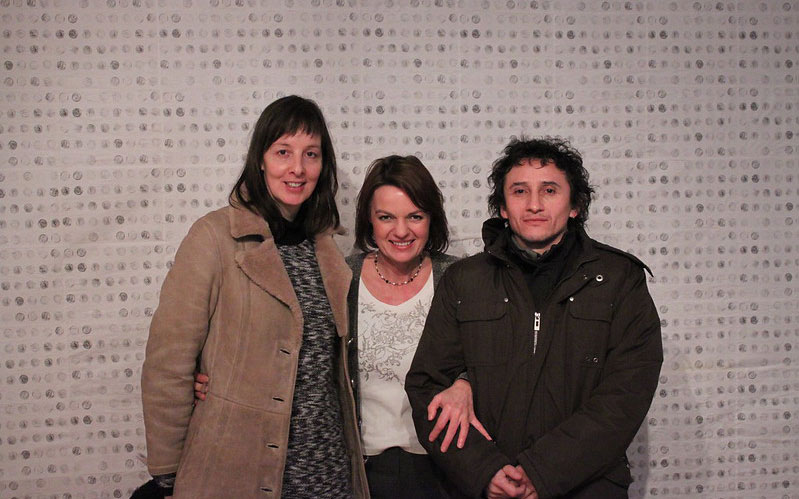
556	332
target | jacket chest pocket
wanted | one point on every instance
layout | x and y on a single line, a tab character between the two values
484	330
589	333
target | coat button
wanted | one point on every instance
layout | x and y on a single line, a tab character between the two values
596	360
505	299
571	298
599	278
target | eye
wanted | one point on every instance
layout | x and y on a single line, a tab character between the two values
313	154
384	218
417	217
550	190
282	152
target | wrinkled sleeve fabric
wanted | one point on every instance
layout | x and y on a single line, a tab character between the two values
177	335
590	442
437	363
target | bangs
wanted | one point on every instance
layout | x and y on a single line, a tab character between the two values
301	119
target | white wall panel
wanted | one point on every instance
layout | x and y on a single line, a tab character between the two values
125	120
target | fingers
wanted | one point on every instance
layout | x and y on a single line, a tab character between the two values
502	486
452	427
464	431
512	473
432	407
200	385
479	427
443	418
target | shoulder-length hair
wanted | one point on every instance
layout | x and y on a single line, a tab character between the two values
412	177
546	150
288	116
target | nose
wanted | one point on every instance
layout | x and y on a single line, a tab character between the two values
297	167
535	202
401	229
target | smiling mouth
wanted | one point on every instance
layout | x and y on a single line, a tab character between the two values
295	185
402	244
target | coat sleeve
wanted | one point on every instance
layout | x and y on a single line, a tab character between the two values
177	335
437	362
590	442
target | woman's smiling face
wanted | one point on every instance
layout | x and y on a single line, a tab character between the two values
399	228
291	167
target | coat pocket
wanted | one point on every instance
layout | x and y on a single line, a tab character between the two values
485	333
590	330
234	451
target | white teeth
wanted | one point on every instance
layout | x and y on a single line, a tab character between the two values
406	243
294	184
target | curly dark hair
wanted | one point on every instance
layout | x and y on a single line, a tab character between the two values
547	150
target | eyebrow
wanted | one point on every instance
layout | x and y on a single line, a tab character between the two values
386	212
545	183
286	144
550	182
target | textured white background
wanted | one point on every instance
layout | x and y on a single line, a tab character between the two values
125	120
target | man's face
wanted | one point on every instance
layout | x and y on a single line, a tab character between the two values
537	204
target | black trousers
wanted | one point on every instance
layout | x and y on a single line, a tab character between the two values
397	474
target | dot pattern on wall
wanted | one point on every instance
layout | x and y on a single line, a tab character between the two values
125	120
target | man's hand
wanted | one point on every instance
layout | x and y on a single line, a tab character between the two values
506	483
457	411
200	386
529	488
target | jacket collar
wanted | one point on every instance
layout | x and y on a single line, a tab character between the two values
262	264
497	239
244	222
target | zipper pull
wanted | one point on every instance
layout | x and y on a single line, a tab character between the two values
536	328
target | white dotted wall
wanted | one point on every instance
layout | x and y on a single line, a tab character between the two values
122	121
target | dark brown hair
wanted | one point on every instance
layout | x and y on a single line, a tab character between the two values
289	115
547	150
410	175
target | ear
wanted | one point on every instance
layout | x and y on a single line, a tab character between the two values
503	212
574	212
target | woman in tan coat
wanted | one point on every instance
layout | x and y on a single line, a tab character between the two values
256	298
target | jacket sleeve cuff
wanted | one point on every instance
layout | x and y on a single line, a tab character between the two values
534	476
166	483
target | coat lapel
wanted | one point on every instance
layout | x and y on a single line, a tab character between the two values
261	263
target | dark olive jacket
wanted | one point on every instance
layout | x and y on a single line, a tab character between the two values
562	395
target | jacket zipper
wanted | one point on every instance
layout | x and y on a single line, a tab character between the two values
536	329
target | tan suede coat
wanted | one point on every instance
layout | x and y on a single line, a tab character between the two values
228	303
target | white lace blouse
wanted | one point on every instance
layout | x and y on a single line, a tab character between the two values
387	340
